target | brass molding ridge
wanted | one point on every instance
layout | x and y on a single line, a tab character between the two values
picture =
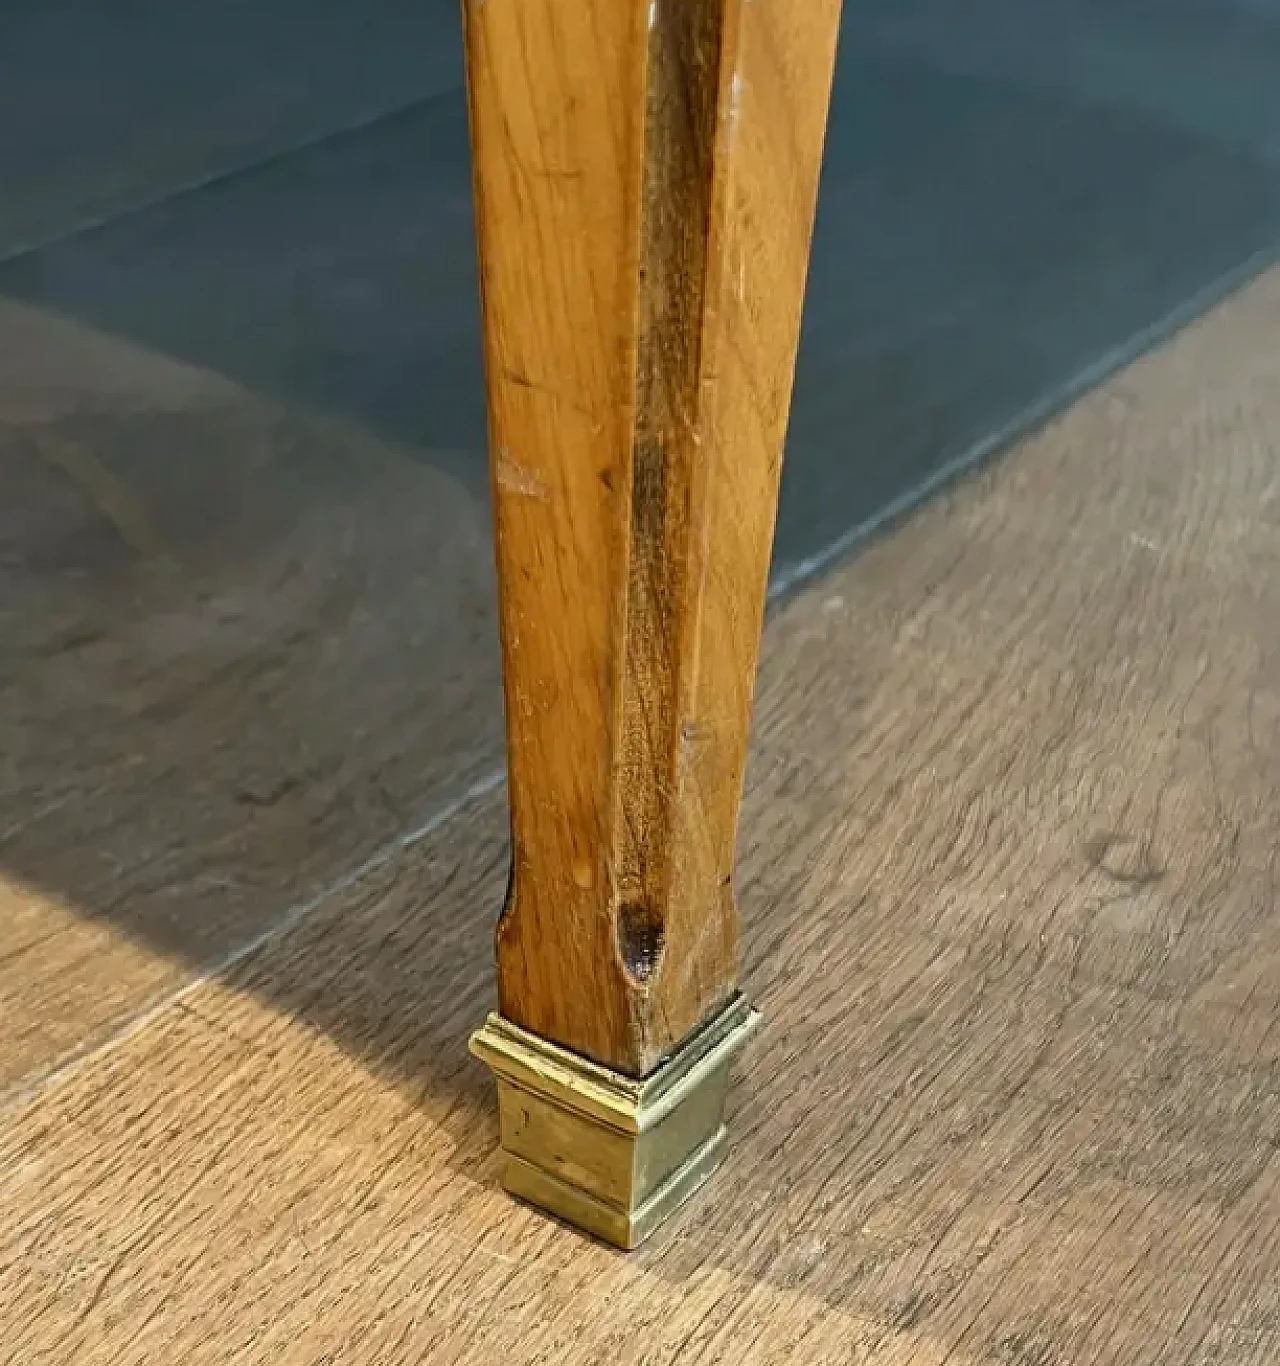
611	1154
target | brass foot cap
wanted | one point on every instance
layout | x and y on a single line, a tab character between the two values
608	1153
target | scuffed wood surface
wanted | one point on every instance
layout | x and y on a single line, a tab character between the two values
226	670
645	179
1009	893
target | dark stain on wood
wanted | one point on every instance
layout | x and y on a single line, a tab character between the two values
684	59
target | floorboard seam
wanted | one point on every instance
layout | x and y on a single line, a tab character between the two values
88	226
31	1087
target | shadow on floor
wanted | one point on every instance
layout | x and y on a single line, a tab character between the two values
247	614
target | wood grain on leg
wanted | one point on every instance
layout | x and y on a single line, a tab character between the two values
645	180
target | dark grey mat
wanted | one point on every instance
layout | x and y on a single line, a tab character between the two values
105	104
1000	210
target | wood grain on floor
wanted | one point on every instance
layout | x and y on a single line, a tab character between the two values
1008	876
239	647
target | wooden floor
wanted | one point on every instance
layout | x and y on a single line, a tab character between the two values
240	648
1008	874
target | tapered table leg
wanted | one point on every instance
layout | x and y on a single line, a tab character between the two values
645	176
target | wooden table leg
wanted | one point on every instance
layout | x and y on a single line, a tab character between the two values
645	175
